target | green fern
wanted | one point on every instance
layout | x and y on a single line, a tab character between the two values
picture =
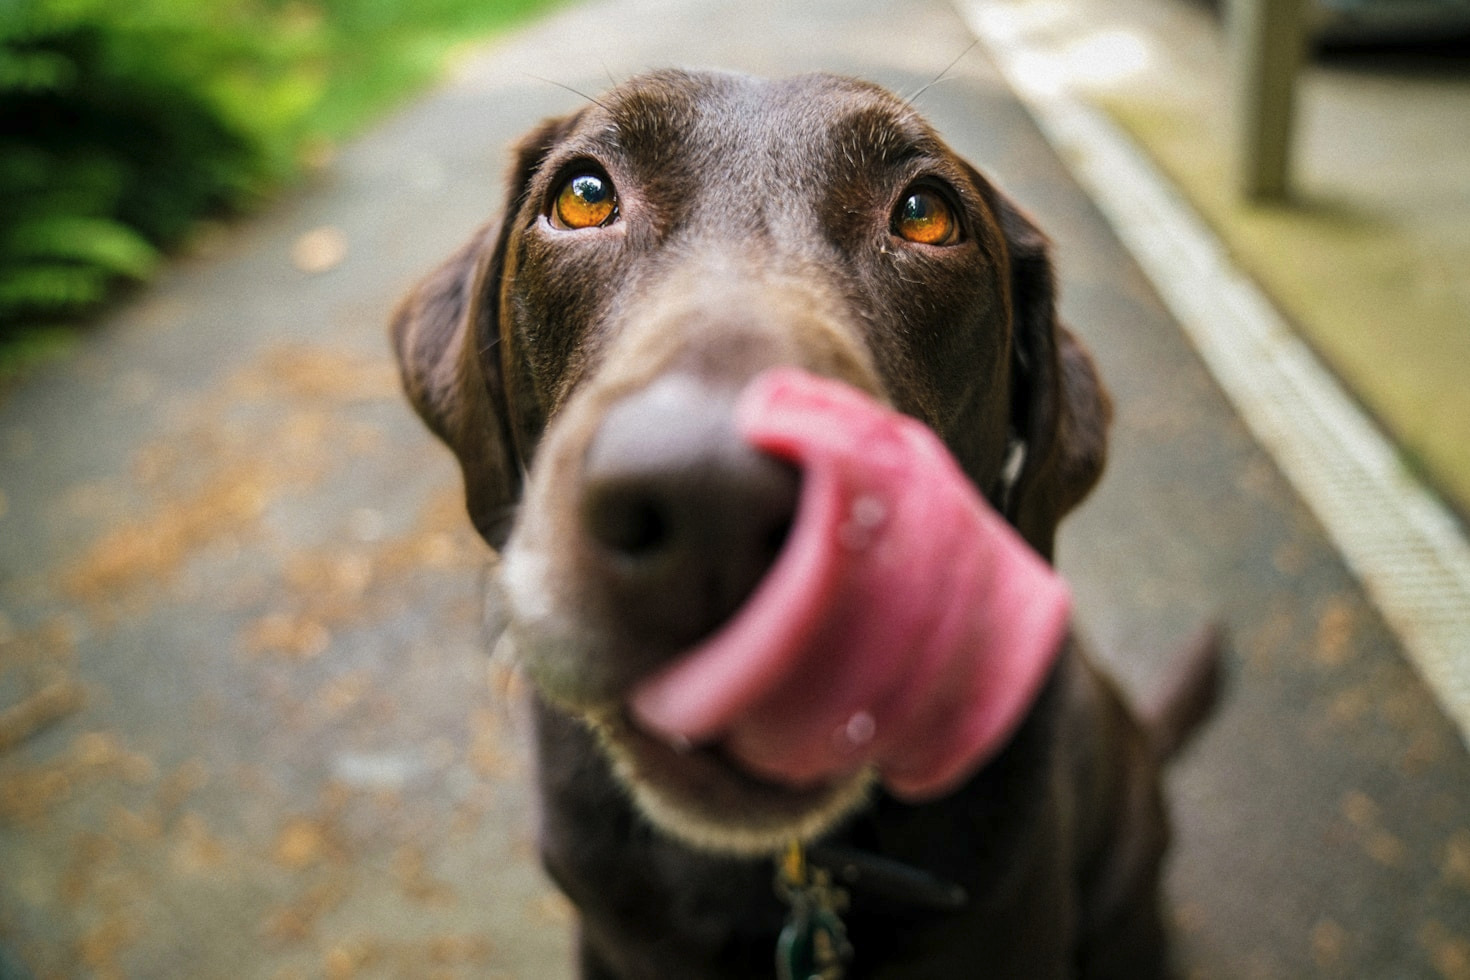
38	289
113	248
110	146
33	71
123	122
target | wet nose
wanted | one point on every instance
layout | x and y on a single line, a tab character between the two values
683	518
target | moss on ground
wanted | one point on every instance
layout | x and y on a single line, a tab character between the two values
1383	313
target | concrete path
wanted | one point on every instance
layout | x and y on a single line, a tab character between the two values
236	569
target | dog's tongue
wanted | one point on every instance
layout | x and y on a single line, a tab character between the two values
905	624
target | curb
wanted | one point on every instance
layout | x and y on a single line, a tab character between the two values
1402	543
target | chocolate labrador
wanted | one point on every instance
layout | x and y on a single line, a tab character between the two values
659	249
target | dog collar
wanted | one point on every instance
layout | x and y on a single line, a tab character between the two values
899	886
814	883
813	943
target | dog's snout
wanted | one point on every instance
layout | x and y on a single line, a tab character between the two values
683	518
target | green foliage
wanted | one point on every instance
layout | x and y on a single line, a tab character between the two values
122	122
116	134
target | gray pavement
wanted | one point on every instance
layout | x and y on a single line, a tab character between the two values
241	569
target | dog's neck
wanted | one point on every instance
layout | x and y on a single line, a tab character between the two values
887	880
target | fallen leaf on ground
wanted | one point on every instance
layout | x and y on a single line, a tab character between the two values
319	250
51	703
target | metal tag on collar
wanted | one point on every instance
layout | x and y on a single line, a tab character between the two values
813	944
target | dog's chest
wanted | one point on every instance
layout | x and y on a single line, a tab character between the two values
650	907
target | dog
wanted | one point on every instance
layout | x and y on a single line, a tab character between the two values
658	249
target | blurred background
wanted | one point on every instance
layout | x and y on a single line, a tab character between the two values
126	126
131	131
248	725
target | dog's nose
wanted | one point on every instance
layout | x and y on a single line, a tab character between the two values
684	518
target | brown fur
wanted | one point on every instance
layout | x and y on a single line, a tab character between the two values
754	230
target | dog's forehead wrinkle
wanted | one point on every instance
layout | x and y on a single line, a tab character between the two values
759	134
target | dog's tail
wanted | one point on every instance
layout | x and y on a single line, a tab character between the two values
1186	699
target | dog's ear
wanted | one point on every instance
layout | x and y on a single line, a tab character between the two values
453	358
1060	411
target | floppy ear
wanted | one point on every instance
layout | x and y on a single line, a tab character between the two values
1060	411
455	362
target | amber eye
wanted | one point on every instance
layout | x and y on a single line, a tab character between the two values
586	201
925	218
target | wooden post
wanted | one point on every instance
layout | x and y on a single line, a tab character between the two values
1267	41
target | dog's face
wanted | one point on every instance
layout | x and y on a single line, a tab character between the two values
659	249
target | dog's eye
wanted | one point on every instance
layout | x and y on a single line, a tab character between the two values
925	218
585	201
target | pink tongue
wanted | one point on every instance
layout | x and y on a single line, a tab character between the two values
904	625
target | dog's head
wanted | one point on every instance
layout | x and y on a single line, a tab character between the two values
658	249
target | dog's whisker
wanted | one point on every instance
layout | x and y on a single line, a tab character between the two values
569	88
938	78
